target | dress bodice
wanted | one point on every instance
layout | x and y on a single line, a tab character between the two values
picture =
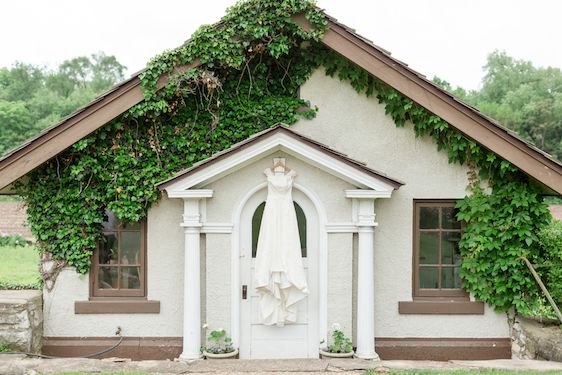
279	183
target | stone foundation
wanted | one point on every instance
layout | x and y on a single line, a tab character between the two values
531	339
21	319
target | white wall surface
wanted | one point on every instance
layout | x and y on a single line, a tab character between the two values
358	126
347	122
340	281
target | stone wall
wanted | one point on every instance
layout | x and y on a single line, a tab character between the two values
534	340
21	320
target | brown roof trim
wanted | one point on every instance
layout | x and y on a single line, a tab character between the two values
76	126
280	128
464	118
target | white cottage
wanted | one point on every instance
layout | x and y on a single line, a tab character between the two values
376	221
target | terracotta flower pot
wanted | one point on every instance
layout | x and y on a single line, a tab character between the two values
220	356
325	354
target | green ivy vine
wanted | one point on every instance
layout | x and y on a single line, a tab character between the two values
252	65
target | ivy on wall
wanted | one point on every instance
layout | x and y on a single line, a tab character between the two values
252	65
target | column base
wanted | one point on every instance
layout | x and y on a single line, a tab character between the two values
372	356
189	357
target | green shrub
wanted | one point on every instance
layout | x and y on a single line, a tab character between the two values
14	240
20	286
550	239
4	347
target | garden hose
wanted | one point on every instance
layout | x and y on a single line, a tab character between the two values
107	350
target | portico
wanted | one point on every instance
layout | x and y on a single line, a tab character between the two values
354	196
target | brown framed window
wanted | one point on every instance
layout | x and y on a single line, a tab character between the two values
437	258
119	264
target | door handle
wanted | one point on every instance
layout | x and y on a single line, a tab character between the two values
244	291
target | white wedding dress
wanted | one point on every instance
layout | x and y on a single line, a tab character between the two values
280	279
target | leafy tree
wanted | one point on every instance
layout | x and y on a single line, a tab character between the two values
32	97
521	97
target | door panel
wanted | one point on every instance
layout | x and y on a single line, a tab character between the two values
299	340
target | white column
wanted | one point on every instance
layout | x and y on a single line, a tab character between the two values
192	223
366	280
192	281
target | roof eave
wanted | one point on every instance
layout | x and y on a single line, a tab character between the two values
470	122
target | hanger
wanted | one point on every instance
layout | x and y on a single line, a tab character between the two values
280	164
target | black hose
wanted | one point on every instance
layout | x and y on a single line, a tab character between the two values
82	356
105	350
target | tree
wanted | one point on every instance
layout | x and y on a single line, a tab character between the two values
521	97
32	97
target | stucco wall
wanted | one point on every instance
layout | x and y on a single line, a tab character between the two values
340	277
358	126
218	281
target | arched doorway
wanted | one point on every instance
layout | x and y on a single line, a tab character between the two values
299	340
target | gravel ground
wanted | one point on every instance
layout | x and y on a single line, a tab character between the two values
17	365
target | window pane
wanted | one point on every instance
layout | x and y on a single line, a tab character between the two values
301	220
429	248
450	247
112	222
448	216
429	277
130	278
256	222
450	278
107	277
130	247
109	249
429	217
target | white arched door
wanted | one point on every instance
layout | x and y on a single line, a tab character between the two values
299	340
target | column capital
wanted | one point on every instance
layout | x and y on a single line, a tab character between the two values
367	194
191	194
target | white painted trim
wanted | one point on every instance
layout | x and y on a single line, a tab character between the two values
341	228
367	194
187	194
217	228
290	145
322	263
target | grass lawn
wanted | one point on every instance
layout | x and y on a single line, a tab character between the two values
18	265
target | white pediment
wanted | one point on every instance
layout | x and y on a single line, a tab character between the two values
279	138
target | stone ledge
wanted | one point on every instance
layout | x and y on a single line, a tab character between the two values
21	319
534	340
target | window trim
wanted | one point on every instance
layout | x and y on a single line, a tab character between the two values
418	293
133	294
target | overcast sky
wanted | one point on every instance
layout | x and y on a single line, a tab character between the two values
448	38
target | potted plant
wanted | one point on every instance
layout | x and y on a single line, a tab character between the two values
219	345
339	346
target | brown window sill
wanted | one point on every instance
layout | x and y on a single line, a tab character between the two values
441	307
117	307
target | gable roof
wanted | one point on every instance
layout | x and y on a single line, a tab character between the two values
343	40
280	137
